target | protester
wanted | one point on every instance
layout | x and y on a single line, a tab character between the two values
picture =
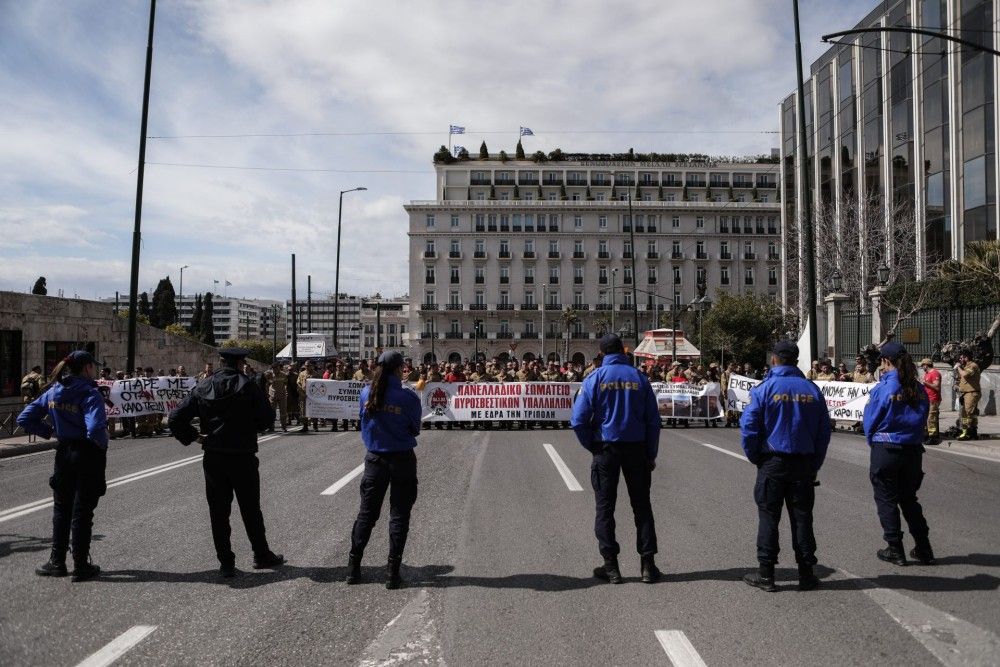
932	385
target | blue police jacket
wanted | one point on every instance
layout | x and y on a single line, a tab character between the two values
396	426
888	420
617	404
76	408
787	414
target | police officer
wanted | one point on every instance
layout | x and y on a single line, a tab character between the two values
894	422
390	424
231	410
76	409
785	433
615	417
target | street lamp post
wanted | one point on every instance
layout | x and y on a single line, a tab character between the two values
477	324
545	290
635	300
336	280
181	299
614	272
701	304
433	336
274	333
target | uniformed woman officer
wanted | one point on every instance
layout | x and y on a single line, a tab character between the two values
390	422
76	410
894	425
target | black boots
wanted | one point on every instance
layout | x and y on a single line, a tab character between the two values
922	552
85	570
609	571
353	569
807	578
650	573
893	553
392	578
55	566
763	578
227	570
267	560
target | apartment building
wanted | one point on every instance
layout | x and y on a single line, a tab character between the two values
508	245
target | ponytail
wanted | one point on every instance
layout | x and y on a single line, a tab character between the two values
376	394
68	366
912	391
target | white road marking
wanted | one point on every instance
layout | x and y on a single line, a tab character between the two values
724	451
344	481
408	639
119	647
949	639
563	469
22	510
679	649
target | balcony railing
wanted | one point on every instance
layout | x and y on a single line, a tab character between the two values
504	280
602	281
454	335
505	306
479	254
552	181
604	255
428	306
581	306
652	255
579	255
651	281
480	180
527	180
725	255
627	254
477	306
719	184
702	256
650	183
676	255
480	280
772	230
529	280
742	184
430	254
529	254
504	254
693	183
504	181
503	335
425	335
554	254
553	306
625	306
529	334
603	306
455	280
750	255
773	257
454	306
577	280
454	254
529	306
580	335
429	280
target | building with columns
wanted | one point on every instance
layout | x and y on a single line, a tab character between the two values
508	245
898	121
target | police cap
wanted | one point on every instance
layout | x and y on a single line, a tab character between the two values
786	350
891	351
612	344
80	357
390	360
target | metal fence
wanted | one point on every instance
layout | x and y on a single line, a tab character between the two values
922	333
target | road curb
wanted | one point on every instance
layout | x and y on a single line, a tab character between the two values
18	450
969	448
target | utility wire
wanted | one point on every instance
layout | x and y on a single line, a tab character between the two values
439	132
292	169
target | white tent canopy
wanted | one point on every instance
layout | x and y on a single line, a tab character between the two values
658	345
310	346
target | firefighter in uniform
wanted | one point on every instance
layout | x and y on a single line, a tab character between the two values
231	410
785	433
970	391
615	417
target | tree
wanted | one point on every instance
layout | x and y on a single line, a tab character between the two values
463	154
195	327
123	313
980	268
260	350
40	288
539	156
588	196
754	195
503	156
443	156
708	194
178	330
519	151
638	193
493	192
569	318
164	309
484	153
731	194
208	320
743	327
144	308
557	155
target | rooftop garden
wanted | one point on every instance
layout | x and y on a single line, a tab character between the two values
444	156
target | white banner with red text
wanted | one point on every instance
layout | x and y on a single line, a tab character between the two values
845	401
495	401
680	400
144	396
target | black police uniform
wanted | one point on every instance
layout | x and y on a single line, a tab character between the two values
231	409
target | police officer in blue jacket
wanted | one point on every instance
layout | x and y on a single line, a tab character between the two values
616	418
894	422
390	423
785	433
76	410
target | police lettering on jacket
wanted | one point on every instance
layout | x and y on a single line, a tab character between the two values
75	406
395	427
617	404
889	420
787	414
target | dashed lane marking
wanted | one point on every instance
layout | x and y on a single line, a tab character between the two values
679	649
344	481
563	469
22	510
119	646
724	451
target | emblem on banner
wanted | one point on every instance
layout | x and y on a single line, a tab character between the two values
437	400
317	389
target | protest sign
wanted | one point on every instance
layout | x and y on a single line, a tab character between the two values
494	401
333	399
738	392
845	401
144	396
680	400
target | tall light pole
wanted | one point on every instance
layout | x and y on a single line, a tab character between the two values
545	290
635	300
807	228
477	324
274	333
336	280
433	336
181	299
614	272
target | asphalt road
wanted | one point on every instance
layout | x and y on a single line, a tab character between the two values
498	564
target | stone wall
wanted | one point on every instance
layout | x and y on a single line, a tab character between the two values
42	319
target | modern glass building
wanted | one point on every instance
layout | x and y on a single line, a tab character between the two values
898	124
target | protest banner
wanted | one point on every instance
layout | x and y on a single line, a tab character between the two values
144	396
845	401
333	399
680	400
494	401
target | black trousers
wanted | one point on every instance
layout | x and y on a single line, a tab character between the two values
397	473
77	484
613	461
226	475
785	481
896	474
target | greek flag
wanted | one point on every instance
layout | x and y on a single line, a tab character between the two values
228	284
456	129
457	149
526	132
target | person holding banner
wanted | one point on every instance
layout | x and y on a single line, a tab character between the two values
785	433
616	418
894	426
390	423
231	409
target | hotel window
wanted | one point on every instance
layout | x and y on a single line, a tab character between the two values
430	221
428	297
429	247
602	222
600	196
577	222
429	275
699	222
700	275
748	276
577	299
504	298
671	196
453	298
554	275
651	224
480	297
772	276
529	297
480	245
455	274
724	275
454	221
504	274
677	275
577	246
675	222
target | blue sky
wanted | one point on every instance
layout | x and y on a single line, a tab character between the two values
71	91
